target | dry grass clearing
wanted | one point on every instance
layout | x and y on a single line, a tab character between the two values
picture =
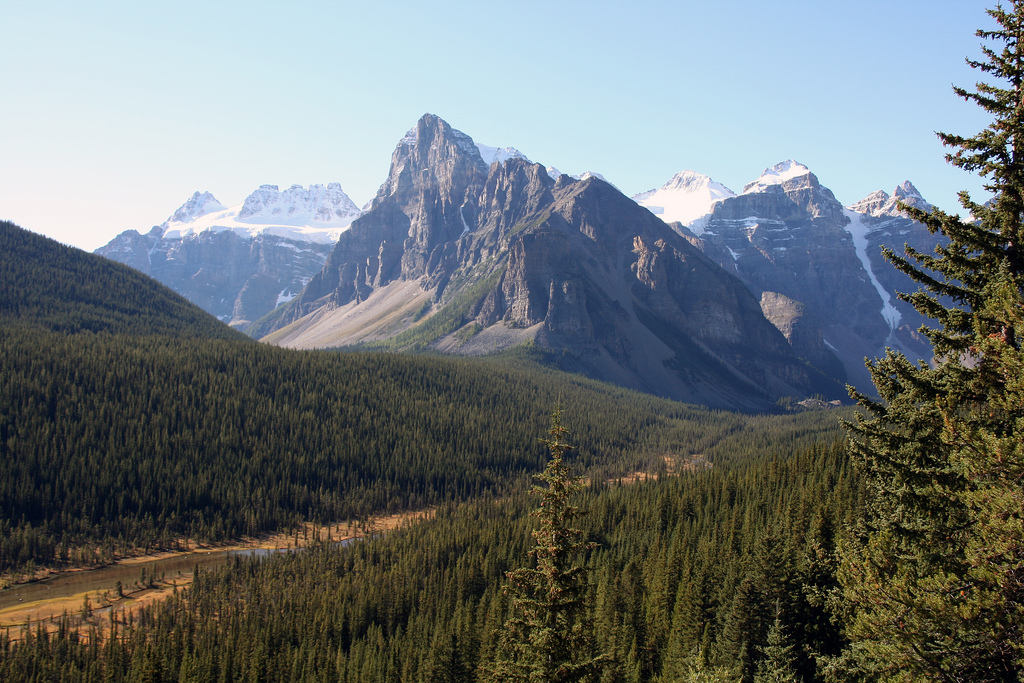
91	596
674	465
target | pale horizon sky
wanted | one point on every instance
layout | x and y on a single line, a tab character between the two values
114	113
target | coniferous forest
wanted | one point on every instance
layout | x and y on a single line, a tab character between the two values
762	548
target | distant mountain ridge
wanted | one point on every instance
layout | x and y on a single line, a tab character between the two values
46	285
686	198
469	258
241	262
815	265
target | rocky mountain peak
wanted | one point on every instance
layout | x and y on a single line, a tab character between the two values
881	204
782	173
555	174
470	258
786	191
872	204
199	204
908	194
299	206
430	157
686	197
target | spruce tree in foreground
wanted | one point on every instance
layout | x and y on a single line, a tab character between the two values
935	582
550	637
778	663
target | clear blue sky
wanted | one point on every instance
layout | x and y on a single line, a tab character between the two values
113	113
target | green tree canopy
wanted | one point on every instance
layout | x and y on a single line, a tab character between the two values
935	582
550	637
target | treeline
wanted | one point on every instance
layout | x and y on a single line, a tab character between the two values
120	442
47	285
692	576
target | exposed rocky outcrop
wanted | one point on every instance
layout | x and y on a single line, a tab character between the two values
888	225
506	253
817	267
240	263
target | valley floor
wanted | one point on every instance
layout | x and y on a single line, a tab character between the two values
91	593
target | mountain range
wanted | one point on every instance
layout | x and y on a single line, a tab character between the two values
815	265
690	291
241	262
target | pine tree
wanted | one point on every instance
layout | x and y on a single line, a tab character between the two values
779	658
696	669
549	638
935	583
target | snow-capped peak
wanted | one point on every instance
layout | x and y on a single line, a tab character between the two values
555	174
589	174
410	138
687	197
199	204
499	154
776	175
871	204
880	203
908	194
299	206
317	214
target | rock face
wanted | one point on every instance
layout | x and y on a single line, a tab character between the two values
469	258
816	267
886	225
240	263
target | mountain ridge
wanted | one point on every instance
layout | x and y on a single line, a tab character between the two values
789	239
50	286
238	263
835	305
572	266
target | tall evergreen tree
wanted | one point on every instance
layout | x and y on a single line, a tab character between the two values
935	582
550	638
779	658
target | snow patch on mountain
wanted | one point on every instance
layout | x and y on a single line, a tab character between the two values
776	175
880	203
290	292
197	205
315	214
687	197
410	138
500	155
872	204
859	231
555	174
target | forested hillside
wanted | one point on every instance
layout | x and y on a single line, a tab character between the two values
116	442
768	549
44	284
688	577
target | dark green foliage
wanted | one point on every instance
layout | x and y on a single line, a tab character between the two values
46	285
120	442
424	603
112	441
777	665
935	584
550	637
